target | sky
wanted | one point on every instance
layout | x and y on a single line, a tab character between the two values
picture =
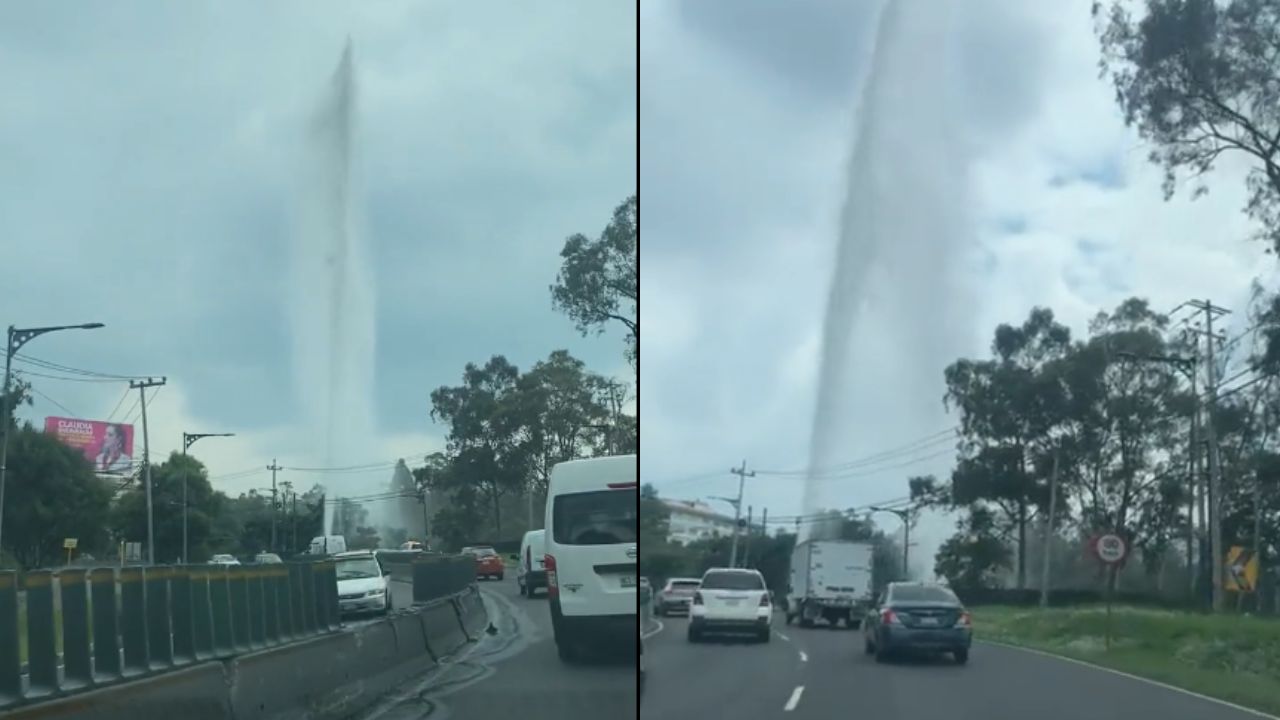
151	160
992	132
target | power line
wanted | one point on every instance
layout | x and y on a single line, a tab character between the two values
48	365
892	453
64	378
118	404
64	408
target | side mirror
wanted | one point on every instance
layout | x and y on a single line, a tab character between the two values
386	573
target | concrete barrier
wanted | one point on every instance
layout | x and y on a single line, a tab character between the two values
198	692
443	627
471	612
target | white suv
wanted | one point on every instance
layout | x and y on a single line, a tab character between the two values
731	600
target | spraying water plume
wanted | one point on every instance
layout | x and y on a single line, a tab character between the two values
902	225
333	313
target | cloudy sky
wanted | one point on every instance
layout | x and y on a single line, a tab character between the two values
1000	176
150	163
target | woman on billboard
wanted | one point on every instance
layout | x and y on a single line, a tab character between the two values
113	458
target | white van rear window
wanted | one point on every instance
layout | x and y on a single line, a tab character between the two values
604	517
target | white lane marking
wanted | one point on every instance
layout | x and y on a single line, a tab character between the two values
803	657
1149	681
795	698
661	627
784	637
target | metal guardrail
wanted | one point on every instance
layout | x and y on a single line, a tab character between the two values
118	624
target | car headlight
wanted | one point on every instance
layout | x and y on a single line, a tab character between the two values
375	593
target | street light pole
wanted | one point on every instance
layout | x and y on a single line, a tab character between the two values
189	439
17	338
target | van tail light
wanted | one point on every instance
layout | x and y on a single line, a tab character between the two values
697	598
764	600
553	588
965	621
887	617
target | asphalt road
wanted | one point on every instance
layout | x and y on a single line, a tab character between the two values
822	673
515	673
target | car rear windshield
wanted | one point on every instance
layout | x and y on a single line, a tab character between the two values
603	517
732	581
922	593
361	567
685	584
484	552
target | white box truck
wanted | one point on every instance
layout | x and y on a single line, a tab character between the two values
831	580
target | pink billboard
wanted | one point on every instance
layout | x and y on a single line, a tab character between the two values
109	446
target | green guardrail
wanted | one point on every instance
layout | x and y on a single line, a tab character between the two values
104	625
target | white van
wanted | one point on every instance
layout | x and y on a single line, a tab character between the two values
592	525
328	545
531	573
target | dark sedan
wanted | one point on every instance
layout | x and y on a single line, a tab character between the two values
918	617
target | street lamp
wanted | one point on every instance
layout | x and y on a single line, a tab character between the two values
189	439
905	517
17	338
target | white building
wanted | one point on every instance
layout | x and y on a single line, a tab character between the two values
692	520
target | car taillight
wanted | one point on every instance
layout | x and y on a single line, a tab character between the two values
697	598
764	600
966	620
887	617
553	589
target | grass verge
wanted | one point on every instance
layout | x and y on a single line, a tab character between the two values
1233	658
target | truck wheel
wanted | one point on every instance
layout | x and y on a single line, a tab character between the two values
790	618
961	655
806	622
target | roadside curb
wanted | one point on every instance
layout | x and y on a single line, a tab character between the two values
1131	676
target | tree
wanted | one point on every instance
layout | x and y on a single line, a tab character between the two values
1199	78
599	281
559	402
1009	406
51	494
487	440
655	518
975	555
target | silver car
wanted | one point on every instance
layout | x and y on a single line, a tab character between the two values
676	596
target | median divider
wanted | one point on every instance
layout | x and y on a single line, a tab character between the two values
326	676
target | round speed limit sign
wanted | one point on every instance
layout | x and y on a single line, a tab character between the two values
1110	548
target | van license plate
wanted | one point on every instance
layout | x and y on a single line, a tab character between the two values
628	581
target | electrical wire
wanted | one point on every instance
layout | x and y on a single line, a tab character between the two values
64	408
49	365
890	454
118	404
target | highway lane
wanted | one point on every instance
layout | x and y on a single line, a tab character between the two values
515	673
761	681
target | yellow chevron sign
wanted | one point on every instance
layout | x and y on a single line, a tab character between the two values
1242	570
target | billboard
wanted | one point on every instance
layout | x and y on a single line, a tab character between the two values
109	446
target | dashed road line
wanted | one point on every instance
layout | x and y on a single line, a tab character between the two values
784	637
651	633
803	657
795	698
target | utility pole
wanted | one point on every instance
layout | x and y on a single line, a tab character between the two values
1048	533
273	467
764	522
1212	311
294	542
742	474
746	544
141	386
905	517
189	439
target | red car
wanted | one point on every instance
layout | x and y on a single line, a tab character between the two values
488	562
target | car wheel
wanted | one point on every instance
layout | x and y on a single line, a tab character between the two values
694	634
790	618
766	635
867	646
882	653
806	622
961	655
500	576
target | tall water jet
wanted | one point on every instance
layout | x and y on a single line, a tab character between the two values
333	314
902	225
